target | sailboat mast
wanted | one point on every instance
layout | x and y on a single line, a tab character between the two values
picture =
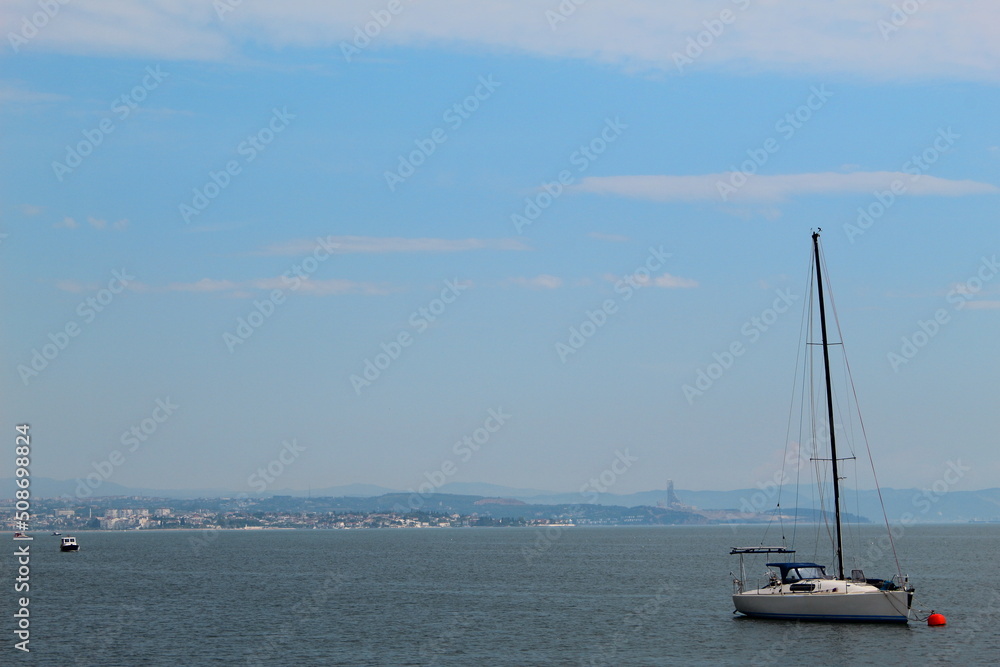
829	408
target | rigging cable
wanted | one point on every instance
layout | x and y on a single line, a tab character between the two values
864	435
800	358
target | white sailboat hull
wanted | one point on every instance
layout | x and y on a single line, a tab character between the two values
835	601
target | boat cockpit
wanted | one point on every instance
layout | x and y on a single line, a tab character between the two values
793	572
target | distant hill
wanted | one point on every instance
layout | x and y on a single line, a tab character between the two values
443	503
922	506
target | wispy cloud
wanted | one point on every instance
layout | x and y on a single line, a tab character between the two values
203	285
706	187
664	280
983	305
250	288
373	244
124	28
245	289
99	224
543	281
669	282
941	39
14	93
315	287
75	286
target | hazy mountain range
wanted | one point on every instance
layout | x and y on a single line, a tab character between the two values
901	504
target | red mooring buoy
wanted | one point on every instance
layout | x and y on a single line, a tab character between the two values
937	619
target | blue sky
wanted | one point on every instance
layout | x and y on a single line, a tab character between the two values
472	185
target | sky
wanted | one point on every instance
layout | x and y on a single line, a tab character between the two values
530	244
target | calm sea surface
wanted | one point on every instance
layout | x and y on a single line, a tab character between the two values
452	596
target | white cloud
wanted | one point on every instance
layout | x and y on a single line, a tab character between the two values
143	28
373	244
670	282
939	39
983	305
664	280
709	187
13	93
319	287
543	281
96	223
249	288
203	285
75	287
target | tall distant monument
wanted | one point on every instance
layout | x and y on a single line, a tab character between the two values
673	502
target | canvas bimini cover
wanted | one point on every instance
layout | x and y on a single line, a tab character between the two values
792	572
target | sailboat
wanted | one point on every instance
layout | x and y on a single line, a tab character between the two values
803	590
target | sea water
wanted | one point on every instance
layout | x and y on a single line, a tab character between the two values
475	596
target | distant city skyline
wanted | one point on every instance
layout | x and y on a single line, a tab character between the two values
534	245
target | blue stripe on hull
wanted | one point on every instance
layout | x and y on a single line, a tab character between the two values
828	617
